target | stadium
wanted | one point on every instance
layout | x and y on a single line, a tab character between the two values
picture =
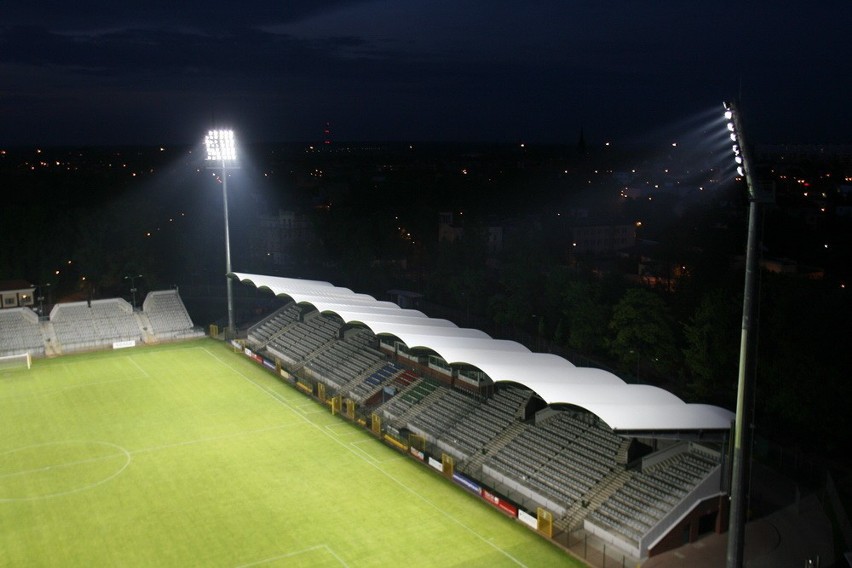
337	430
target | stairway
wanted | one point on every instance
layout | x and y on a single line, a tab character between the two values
418	407
573	517
52	347
473	467
145	327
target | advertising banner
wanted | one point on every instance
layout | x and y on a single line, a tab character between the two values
467	483
501	504
528	519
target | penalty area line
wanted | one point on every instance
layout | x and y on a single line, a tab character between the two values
324	547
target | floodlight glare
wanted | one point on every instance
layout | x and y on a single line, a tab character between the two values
741	442
222	153
220	145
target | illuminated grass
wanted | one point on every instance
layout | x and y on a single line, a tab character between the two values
188	454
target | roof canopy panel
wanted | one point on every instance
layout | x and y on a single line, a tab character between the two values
624	407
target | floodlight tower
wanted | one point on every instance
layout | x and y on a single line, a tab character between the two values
133	288
222	153
745	376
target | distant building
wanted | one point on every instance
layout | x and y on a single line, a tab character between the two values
451	229
275	237
817	153
791	268
16	294
602	238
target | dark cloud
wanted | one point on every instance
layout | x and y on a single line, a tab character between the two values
94	15
446	70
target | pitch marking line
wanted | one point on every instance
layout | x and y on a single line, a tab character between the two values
212	439
121	451
68	388
144	372
304	412
375	465
324	547
394	457
363	454
344	429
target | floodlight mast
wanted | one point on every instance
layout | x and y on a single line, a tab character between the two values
222	151
745	376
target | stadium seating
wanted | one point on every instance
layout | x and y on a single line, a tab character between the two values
20	332
262	332
82	326
168	316
569	462
647	497
98	324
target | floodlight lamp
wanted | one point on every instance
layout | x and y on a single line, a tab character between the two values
738	159
220	145
729	115
733	137
731	126
741	171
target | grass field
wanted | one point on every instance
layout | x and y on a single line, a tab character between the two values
191	455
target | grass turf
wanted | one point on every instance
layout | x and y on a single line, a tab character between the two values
191	455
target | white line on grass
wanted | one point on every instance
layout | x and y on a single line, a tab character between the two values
342	426
372	443
144	372
210	439
69	464
363	454
59	466
352	450
296	553
70	387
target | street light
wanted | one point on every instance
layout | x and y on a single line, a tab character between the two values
745	376
222	152
133	288
41	291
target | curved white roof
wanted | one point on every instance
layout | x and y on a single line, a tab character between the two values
622	406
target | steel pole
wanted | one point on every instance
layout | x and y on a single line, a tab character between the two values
741	450
228	282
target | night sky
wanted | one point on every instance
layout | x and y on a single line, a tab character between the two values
158	72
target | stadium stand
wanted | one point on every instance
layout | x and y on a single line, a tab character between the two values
99	324
80	326
544	435
20	332
168	316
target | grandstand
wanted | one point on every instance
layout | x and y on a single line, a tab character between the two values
20	332
168	316
98	324
630	465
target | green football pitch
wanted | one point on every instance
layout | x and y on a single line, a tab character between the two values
191	455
